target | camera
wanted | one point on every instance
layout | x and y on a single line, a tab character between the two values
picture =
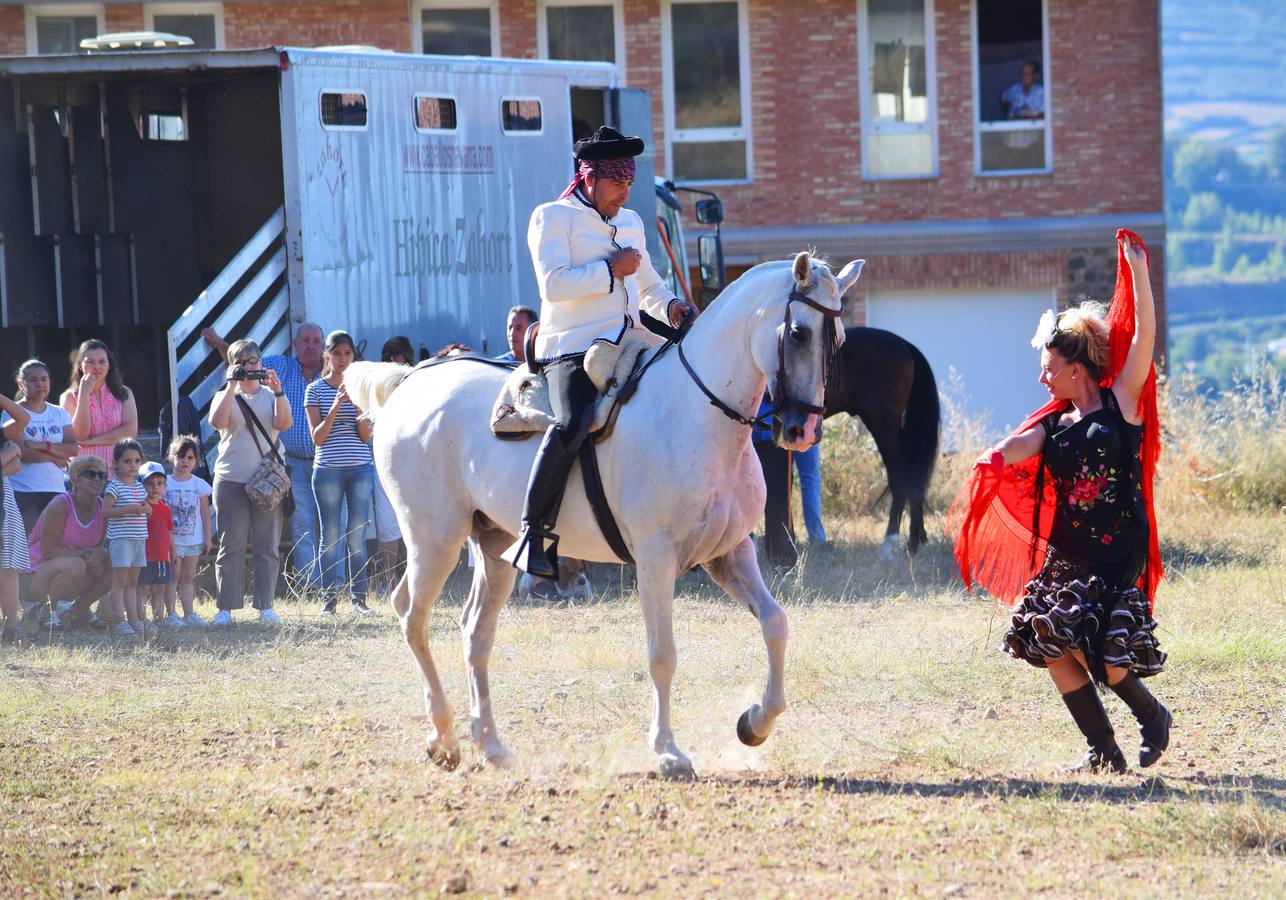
240	374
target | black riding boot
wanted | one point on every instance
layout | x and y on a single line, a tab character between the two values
1154	719
536	551
1090	717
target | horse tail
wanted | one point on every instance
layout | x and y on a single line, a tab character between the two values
370	384
919	432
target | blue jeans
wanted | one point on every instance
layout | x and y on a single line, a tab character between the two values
304	526
338	490
809	466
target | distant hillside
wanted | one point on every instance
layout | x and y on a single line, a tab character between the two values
1224	70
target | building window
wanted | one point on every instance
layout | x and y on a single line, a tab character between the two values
898	103
60	28
203	22
343	110
1011	89
456	27
434	113
520	115
582	30
705	50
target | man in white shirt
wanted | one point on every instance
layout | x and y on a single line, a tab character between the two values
1026	99
596	280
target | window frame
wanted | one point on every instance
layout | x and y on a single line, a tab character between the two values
745	132
366	94
419	6
34	11
618	26
151	10
506	98
868	124
440	95
979	127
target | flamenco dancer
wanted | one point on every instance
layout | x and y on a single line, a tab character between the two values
1070	492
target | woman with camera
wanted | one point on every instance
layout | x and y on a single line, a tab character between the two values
249	414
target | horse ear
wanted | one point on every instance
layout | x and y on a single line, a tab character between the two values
847	276
803	269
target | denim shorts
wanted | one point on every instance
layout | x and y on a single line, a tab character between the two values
187	551
158	572
127	553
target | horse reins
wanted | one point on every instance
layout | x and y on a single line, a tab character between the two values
780	402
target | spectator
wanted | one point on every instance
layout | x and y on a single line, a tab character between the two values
454	348
242	524
155	579
126	510
188	497
520	319
13	554
1026	99
296	372
809	466
101	407
779	537
47	442
343	475
189	423
68	559
398	350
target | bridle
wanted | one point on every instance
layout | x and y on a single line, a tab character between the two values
780	401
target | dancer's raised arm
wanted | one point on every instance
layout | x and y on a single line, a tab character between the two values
1138	362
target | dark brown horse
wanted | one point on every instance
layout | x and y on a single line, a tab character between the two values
886	382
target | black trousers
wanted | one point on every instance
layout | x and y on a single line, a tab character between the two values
779	537
571	394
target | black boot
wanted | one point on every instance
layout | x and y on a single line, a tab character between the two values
536	550
1154	719
1090	717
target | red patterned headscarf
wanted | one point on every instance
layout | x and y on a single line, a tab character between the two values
619	169
1002	522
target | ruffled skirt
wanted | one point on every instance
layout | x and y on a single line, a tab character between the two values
1068	607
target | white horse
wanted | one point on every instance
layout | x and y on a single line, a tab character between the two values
680	476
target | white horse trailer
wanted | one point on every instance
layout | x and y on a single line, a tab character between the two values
146	195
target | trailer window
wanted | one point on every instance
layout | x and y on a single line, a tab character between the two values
343	109
435	113
521	116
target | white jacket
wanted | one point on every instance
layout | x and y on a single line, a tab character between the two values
579	301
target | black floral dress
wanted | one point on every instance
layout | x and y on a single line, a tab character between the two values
1086	596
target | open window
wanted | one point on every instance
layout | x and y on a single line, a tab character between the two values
521	115
898	102
705	48
343	110
1012	134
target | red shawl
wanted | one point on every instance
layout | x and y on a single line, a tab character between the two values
993	515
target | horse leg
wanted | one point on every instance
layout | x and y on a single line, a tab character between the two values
427	567
916	534
889	443
656	575
493	579
738	574
893	534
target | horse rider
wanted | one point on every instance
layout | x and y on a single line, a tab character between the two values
596	282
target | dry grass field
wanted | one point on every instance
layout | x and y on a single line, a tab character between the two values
915	758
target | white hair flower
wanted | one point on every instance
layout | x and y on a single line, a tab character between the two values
1045	330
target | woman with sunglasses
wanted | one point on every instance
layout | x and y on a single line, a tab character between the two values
68	557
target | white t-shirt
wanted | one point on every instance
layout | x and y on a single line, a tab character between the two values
184	500
43	476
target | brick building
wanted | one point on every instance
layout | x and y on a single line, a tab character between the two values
978	153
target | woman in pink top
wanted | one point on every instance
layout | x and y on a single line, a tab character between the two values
68	559
101	407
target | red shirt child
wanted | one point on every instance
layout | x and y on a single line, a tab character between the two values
160	528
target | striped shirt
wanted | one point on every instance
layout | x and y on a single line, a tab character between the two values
298	438
343	448
132	528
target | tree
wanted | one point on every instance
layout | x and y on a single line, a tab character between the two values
1203	166
1204	212
1275	159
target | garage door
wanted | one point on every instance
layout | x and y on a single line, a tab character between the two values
985	336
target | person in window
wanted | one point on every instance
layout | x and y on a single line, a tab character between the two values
596	281
1077	476
1026	98
520	319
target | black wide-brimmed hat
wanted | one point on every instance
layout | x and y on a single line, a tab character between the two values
608	143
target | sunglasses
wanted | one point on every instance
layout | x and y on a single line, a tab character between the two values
94	476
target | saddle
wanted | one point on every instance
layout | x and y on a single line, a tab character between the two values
523	408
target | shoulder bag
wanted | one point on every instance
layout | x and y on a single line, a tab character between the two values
269	486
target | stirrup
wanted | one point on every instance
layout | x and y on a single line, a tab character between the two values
535	552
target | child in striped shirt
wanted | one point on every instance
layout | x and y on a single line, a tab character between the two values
126	509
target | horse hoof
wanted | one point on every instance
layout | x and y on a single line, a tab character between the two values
448	760
677	768
502	759
746	734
